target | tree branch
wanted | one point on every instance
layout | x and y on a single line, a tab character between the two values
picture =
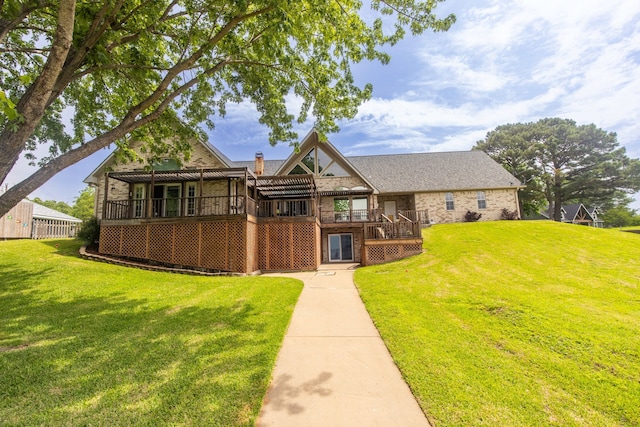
33	103
6	25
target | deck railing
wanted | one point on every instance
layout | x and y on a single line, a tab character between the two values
420	216
352	215
392	230
179	207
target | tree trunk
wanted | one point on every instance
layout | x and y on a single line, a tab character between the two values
557	204
31	106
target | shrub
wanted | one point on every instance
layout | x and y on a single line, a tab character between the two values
89	231
509	215
472	216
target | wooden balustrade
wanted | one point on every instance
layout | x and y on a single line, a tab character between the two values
179	207
392	230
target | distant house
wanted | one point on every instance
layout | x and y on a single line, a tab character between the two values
29	220
576	213
317	206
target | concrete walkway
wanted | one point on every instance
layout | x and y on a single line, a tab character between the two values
333	368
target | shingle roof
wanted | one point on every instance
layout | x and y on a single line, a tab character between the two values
270	166
399	173
462	170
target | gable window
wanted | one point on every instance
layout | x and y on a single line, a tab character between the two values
482	201
448	201
165	165
317	162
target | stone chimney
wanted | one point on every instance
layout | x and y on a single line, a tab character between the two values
259	163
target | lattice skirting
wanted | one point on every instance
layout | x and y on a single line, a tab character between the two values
238	247
379	253
224	246
288	246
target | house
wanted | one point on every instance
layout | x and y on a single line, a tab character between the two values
29	220
575	213
317	206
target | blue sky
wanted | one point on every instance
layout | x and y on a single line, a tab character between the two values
504	61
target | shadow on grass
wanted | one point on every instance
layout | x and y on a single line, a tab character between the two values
114	360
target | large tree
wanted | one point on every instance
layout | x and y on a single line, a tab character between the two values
153	70
561	162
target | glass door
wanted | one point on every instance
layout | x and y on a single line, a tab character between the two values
173	199
341	247
166	200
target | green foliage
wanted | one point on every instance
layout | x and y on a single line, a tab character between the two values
515	323
561	162
620	216
83	205
89	343
89	232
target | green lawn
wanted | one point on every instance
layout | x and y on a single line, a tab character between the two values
515	323
85	343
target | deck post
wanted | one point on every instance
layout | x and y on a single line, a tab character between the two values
200	191
149	193
106	194
246	191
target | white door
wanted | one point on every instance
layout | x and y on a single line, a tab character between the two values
390	209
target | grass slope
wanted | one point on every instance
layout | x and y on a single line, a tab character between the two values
515	323
84	343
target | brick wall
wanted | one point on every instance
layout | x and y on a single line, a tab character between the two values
496	200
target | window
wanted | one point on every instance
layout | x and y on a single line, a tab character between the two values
191	198
359	206
318	163
448	199
482	201
350	208
138	200
165	165
341	209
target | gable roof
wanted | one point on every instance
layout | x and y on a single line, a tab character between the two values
572	211
311	140
43	212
